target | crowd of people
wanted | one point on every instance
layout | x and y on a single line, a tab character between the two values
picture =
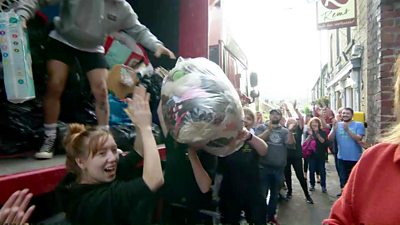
102	186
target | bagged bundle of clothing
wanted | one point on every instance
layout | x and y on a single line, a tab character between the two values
201	107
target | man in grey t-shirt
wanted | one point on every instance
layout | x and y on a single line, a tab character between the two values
273	164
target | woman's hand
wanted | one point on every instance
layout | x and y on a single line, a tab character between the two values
138	108
14	210
291	127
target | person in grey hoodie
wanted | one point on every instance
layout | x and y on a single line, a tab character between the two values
79	34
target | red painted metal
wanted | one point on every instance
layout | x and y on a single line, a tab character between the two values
193	28
40	181
37	181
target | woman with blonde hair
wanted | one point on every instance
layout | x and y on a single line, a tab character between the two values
371	195
103	188
317	159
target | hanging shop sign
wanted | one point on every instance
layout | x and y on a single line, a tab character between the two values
333	14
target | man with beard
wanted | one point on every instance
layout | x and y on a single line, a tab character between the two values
272	165
348	134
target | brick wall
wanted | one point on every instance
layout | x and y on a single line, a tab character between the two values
383	48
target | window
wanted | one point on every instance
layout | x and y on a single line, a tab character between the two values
214	54
338	99
349	97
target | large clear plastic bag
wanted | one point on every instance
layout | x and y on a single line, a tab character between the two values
201	107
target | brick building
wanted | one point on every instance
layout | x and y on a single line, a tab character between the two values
361	58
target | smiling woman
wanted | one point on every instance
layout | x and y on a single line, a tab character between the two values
98	163
104	188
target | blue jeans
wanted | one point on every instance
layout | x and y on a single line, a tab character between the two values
315	164
271	180
345	168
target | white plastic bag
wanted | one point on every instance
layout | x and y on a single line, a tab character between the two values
201	107
17	62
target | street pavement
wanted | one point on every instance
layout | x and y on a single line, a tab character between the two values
297	212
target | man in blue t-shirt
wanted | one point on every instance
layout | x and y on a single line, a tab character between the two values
348	135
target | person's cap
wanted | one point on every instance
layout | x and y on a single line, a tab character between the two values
278	111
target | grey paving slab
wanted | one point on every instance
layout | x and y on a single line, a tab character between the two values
18	165
297	212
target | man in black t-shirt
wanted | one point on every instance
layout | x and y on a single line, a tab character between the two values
241	187
181	192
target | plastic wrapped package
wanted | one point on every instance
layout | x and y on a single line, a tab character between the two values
201	107
17	62
120	48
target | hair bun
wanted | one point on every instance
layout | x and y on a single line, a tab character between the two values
76	128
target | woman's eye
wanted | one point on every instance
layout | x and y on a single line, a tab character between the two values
114	150
102	153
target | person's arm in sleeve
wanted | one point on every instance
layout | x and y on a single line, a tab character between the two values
360	129
342	209
27	8
321	136
129	166
143	35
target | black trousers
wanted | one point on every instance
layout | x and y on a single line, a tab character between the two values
297	164
253	204
305	166
345	168
173	214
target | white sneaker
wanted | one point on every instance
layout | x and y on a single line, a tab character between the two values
47	149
